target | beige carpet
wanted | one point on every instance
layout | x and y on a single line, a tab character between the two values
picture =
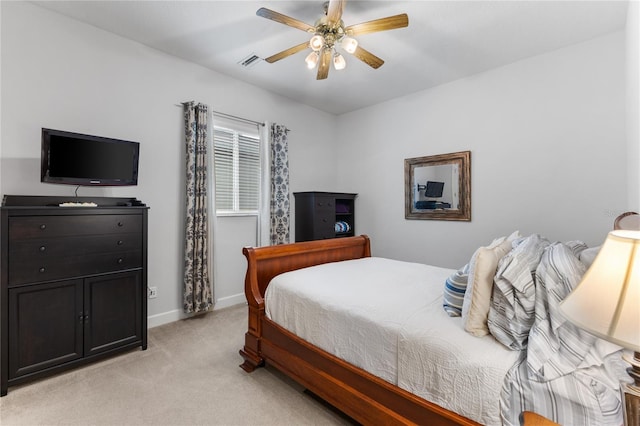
189	375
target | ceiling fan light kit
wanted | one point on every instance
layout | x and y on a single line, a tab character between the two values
316	43
339	62
312	59
349	44
328	33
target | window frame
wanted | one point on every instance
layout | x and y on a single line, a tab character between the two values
239	132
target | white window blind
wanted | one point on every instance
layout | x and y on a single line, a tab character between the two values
236	150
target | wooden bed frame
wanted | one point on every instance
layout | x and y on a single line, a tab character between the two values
361	395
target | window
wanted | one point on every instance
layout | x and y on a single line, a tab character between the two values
236	154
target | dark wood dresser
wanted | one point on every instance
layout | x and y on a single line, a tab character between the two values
73	283
321	215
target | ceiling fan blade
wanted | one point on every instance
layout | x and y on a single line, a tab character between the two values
335	9
323	64
288	52
368	58
284	19
382	24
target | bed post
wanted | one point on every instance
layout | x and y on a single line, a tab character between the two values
251	350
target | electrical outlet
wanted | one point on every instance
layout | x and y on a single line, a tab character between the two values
153	292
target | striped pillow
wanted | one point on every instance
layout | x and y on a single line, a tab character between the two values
512	310
454	289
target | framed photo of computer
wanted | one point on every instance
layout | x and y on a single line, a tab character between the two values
438	187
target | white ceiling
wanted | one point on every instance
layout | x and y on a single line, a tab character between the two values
445	40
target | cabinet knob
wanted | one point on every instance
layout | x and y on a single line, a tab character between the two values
119	242
42	269
42	248
80	316
120	260
120	224
43	226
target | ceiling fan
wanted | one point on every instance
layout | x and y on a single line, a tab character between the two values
329	32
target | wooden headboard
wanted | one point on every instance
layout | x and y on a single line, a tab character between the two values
267	262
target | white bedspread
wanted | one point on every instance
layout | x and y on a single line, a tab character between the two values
386	317
354	309
442	363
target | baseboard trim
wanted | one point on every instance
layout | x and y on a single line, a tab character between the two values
225	302
177	314
165	318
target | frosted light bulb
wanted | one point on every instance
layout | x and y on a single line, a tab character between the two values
312	60
316	43
338	62
349	44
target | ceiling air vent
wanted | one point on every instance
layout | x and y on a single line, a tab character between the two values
250	61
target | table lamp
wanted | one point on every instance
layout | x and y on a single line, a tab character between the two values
606	303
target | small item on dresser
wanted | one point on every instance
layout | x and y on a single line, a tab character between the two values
72	204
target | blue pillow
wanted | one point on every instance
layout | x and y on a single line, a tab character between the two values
454	288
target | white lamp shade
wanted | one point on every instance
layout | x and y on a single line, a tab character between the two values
311	60
606	303
316	43
338	62
349	44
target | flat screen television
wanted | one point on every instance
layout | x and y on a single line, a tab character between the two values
77	159
434	189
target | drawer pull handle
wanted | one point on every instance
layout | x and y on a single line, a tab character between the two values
120	224
120	260
42	248
119	242
42	269
43	226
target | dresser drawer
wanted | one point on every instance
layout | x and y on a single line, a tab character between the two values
325	204
53	268
38	227
39	249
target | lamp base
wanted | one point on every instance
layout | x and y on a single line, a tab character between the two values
631	404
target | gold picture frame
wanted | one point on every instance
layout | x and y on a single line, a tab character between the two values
438	187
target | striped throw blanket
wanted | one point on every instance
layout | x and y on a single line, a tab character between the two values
566	374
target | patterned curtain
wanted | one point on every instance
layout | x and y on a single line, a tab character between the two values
198	295
279	185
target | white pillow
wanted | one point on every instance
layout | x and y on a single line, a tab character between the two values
477	298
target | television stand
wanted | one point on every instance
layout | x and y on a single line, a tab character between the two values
73	283
432	205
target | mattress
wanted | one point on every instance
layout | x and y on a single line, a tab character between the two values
386	317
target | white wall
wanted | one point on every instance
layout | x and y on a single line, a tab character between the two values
543	132
546	136
63	74
633	104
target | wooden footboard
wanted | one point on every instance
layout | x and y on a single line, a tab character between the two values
364	397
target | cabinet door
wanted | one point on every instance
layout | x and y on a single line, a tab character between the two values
45	326
113	305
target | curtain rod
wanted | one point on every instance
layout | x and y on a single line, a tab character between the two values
233	117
